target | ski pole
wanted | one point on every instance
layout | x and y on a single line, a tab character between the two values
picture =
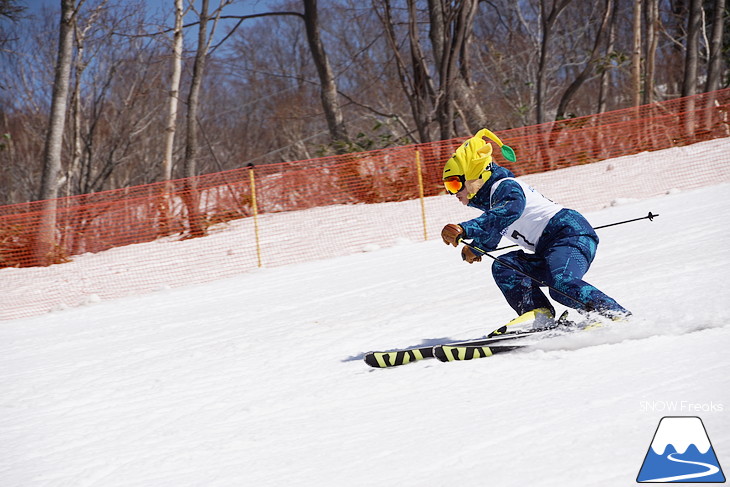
585	306
649	217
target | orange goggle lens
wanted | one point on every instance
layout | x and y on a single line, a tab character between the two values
453	184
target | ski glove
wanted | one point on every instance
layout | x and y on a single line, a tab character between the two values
452	234
469	255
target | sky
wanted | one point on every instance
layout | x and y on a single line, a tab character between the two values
239	7
158	8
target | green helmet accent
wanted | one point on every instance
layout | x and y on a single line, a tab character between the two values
507	151
473	159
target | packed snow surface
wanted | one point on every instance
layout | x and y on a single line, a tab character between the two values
257	380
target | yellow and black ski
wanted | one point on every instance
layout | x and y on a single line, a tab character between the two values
465	350
404	356
397	357
451	353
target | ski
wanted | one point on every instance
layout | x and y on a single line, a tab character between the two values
465	351
405	356
451	353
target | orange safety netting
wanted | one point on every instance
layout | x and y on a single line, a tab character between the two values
273	208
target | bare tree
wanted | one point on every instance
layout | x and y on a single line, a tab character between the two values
328	87
415	80
450	30
174	93
652	39
691	60
636	54
691	64
192	145
173	97
51	179
197	229
714	69
590	64
435	98
12	11
80	64
547	22
116	103
397	71
604	84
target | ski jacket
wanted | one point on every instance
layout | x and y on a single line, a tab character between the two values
516	211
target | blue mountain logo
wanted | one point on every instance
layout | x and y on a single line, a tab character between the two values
681	452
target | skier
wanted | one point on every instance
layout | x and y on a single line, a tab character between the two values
562	243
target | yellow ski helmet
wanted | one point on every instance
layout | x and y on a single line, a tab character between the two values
473	160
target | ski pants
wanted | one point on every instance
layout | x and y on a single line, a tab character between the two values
561	265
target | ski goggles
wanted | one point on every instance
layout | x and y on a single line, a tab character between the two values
454	184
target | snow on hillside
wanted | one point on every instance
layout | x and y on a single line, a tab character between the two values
257	379
337	230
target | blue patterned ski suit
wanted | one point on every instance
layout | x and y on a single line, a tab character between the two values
562	255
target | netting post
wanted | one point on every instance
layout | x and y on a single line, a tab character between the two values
420	193
255	207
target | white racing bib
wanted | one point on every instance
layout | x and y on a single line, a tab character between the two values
528	228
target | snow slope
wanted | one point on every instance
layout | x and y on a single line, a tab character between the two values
257	379
336	230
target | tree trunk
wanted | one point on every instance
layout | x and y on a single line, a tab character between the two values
76	178
423	89
605	79
190	192
328	87
589	67
547	21
636	56
51	178
171	125
450	31
446	67
652	39
73	174
418	88
441	41
466	99
691	61
714	69
174	93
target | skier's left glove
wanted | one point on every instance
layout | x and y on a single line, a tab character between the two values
452	234
469	255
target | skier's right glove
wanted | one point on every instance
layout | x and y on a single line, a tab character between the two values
452	234
470	256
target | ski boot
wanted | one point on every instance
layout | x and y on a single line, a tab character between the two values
537	319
